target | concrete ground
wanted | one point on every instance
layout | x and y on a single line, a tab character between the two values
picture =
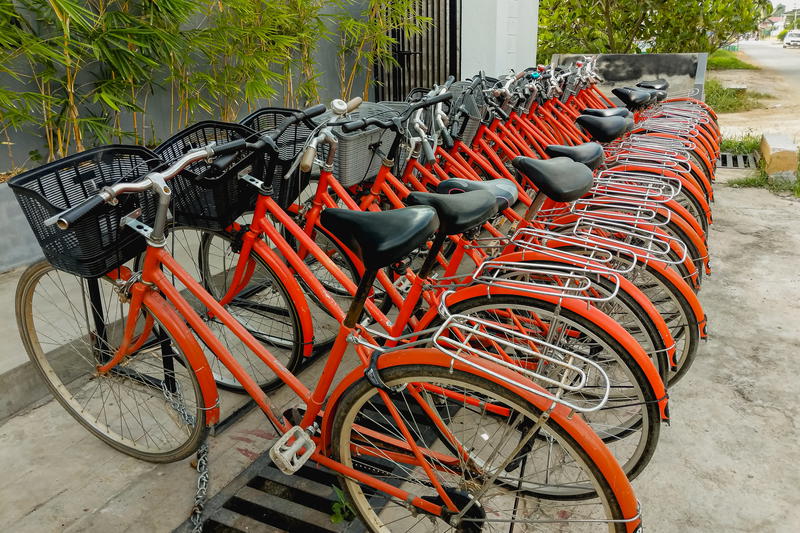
729	461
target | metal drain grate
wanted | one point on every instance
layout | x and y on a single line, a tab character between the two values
727	160
264	499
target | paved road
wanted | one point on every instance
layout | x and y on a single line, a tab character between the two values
785	61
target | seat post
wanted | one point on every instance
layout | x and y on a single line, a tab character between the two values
430	260
360	298
536	204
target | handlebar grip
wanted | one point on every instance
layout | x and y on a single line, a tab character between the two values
70	216
307	161
446	97
500	112
475	82
349	127
229	147
353	104
447	138
426	147
449	81
313	111
520	74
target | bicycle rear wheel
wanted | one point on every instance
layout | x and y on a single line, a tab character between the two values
150	406
629	424
264	306
533	487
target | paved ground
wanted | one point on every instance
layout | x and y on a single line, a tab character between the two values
729	462
779	76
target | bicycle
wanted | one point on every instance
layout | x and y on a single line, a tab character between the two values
450	481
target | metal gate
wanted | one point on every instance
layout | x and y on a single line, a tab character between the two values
425	59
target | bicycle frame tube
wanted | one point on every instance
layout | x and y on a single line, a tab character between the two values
156	259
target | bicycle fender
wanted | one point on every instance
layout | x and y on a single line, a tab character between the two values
574	425
194	354
624	284
686	183
687	262
580	307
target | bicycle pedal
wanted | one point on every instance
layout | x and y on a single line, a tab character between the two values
292	450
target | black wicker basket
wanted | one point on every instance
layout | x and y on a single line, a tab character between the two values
95	244
286	188
200	201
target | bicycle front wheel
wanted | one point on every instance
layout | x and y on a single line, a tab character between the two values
443	409
150	406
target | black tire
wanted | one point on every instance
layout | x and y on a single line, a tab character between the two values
149	407
355	410
633	438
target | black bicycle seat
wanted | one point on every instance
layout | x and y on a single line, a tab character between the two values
380	238
560	179
457	212
590	154
610	112
659	85
603	129
504	190
633	98
656	94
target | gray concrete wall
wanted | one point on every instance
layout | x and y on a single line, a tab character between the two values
18	246
498	35
684	72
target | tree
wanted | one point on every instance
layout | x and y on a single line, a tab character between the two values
367	40
616	26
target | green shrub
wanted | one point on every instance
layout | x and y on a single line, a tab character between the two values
724	100
741	144
782	34
727	60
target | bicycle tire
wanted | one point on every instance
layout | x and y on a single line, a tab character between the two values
266	309
630	315
642	413
355	408
69	369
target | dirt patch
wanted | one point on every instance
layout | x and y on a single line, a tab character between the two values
780	114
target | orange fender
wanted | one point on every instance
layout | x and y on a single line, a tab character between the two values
194	354
575	426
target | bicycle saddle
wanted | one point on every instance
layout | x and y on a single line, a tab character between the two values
504	190
560	179
656	95
590	154
632	98
612	112
457	212
659	85
380	238
603	129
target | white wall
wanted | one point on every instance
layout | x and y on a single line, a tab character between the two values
497	35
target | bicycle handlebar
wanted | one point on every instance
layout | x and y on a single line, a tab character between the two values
66	218
349	127
222	153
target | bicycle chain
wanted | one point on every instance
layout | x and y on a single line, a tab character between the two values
202	488
196	516
177	405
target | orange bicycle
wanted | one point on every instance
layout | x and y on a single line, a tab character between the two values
436	439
